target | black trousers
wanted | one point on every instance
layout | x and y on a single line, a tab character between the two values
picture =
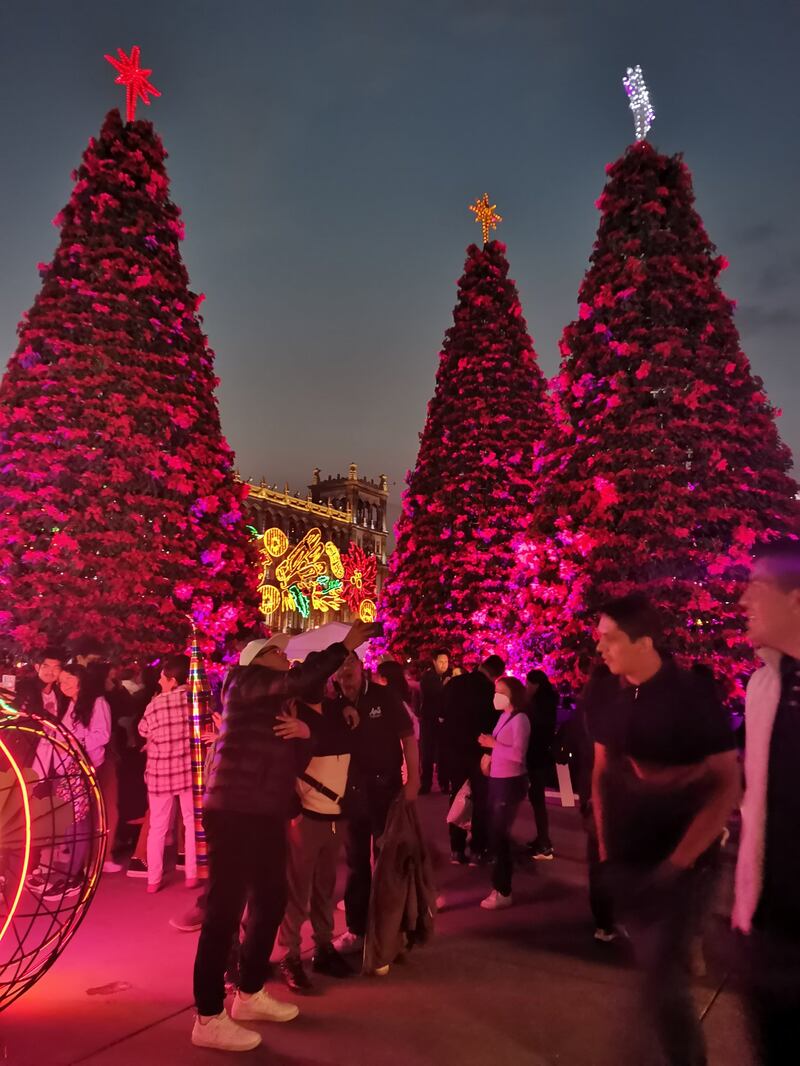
368	804
246	865
505	796
600	901
430	754
537	777
661	919
772	981
479	787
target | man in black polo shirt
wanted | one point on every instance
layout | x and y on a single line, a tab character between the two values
767	904
382	739
666	779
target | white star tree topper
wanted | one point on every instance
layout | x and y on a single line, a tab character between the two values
639	101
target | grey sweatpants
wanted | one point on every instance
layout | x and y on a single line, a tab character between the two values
314	847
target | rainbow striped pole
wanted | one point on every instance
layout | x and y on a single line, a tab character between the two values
200	708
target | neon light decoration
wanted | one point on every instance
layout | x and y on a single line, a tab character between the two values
135	79
51	811
276	542
312	575
639	101
367	611
360	577
486	214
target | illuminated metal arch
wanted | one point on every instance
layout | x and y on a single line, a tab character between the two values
32	939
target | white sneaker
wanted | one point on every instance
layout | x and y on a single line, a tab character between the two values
605	936
223	1034
111	867
262	1007
381	971
349	944
496	901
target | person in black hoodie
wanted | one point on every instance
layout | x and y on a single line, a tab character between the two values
248	800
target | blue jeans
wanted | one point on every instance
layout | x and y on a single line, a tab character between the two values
505	796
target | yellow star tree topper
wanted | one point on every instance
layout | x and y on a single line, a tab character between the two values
486	214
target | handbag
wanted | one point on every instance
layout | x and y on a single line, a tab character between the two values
460	812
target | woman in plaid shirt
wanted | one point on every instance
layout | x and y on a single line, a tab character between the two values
168	773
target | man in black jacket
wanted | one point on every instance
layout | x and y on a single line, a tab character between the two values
248	801
432	685
468	711
40	694
542	711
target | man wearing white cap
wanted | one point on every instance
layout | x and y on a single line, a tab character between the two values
249	793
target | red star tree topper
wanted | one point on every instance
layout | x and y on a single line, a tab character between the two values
120	509
670	467
469	494
135	79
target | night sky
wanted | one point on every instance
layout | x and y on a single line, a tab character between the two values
324	154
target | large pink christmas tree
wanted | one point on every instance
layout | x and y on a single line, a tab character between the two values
670	466
470	491
120	510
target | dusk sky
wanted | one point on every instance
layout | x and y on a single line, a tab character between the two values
324	155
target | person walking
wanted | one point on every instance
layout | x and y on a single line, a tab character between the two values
767	904
542	710
432	684
666	779
249	794
165	727
508	782
468	711
383	740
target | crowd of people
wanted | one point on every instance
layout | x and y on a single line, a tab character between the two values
311	761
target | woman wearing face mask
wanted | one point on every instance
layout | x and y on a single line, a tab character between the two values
508	782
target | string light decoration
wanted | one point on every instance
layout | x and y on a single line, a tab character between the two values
135	79
486	214
50	810
200	702
639	101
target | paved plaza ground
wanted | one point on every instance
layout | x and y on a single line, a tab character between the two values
524	987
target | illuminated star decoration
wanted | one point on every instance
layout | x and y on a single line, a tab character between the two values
639	101
134	78
486	214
